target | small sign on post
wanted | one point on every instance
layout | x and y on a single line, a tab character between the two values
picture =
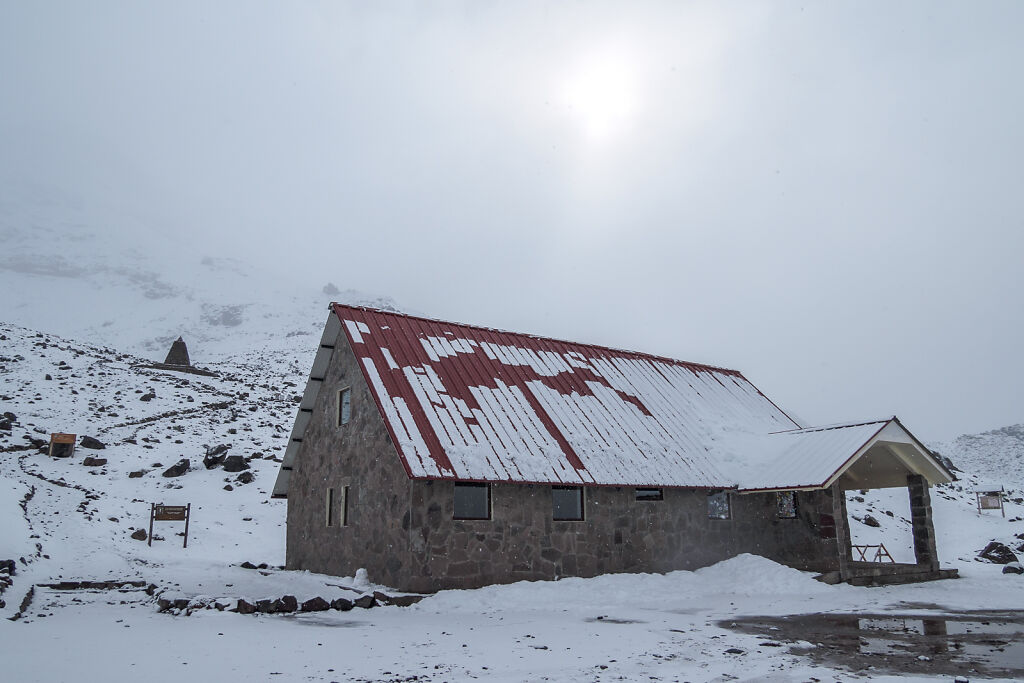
62	445
990	498
158	512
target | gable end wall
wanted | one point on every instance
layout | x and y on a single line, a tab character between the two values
359	455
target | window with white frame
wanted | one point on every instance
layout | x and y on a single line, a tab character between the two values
344	405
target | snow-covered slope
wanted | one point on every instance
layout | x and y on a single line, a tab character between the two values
996	456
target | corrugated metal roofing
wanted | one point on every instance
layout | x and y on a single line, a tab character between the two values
471	403
808	457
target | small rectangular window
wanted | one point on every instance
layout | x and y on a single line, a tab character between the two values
472	501
343	506
649	494
718	505
786	504
344	405
330	507
568	503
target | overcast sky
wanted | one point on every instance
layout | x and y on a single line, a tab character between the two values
826	196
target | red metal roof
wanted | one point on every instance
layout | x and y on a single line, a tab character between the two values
471	403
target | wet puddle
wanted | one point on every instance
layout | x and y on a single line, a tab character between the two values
950	643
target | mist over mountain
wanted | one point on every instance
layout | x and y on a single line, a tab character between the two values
65	274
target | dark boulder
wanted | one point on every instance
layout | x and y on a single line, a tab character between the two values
139	535
342	604
997	553
136	474
265	606
871	521
229	487
8	415
235	463
8	566
245	607
177	469
94	462
147	397
247	565
5	424
287	603
245	478
90	442
215	456
365	601
1013	568
316	604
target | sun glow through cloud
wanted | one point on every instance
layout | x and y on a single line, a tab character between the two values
601	94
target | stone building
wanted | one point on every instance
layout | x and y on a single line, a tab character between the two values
440	455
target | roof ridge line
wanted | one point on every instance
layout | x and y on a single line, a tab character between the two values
843	425
692	364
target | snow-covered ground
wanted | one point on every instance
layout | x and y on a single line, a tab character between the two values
70	522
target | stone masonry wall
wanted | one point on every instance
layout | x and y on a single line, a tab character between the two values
618	534
403	533
359	455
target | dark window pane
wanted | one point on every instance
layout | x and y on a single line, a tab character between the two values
786	501
568	502
649	494
718	505
472	501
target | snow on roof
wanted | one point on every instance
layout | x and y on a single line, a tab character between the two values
470	403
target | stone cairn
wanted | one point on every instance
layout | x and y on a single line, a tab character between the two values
178	355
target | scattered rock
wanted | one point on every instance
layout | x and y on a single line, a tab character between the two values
48	378
8	567
265	606
177	469
245	607
139	535
871	521
136	474
342	604
5	424
147	397
245	478
247	565
90	442
287	603
734	651
1013	568
235	463
997	553
229	487
365	601
317	604
94	462
215	456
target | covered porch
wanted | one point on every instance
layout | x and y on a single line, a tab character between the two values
857	457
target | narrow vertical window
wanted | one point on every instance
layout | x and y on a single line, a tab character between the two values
567	502
330	507
718	505
344	405
343	513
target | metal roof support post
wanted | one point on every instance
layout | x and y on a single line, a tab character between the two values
921	519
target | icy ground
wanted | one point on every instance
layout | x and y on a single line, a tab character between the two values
63	521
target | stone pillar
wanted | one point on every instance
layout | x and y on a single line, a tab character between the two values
843	542
921	518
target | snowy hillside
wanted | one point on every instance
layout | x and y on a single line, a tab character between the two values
996	456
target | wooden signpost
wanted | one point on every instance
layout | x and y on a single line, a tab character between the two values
989	499
158	512
62	445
